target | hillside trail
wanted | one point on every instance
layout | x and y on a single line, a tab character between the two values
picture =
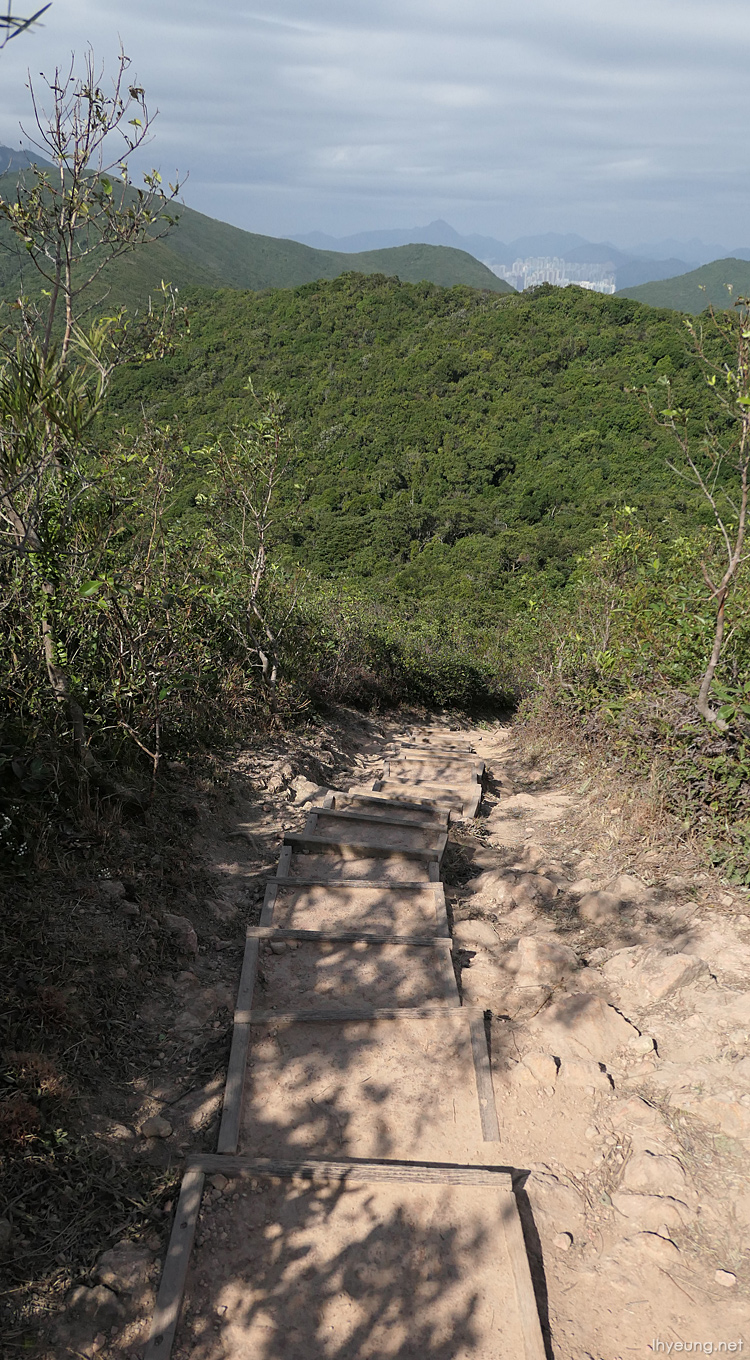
611	972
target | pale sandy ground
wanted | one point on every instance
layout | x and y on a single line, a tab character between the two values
616	968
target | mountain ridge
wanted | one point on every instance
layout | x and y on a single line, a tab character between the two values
640	265
203	252
712	285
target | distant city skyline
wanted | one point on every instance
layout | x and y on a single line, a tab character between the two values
536	269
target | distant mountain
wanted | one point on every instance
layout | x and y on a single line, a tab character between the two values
694	251
628	267
440	233
18	160
202	252
694	291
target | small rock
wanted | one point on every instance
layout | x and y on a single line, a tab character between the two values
121	1132
97	1304
732	1116
656	1173
494	886
130	908
183	929
582	887
642	1043
597	957
585	1072
538	887
219	1182
305	790
156	1127
651	1211
662	1248
113	888
654	973
599	908
277	946
629	889
471	935
584	1026
542	1067
725	1277
125	1268
541	959
563	1241
556	1204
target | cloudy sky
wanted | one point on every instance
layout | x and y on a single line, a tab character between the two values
625	121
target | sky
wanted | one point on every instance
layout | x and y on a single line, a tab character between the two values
620	121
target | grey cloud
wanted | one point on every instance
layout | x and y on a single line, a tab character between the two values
612	120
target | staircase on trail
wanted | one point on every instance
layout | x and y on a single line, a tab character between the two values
366	1211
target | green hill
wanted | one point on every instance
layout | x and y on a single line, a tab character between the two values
694	292
202	252
454	444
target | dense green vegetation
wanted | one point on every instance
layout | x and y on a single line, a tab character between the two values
716	284
454	464
202	252
452	445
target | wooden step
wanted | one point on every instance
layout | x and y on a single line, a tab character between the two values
376	805
373	1082
417	908
364	847
334	868
334	971
464	800
444	752
394	831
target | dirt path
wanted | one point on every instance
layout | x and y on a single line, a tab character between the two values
616	973
621	1061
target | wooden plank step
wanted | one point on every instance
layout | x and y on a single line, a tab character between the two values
369	1082
374	802
393	832
365	847
311	881
451	795
352	1169
334	974
388	870
341	936
464	800
418	908
391	817
439	766
413	752
397	1252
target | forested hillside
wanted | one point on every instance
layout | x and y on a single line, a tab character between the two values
451	444
716	285
199	251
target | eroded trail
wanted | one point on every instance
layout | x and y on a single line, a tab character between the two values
364	1209
456	1019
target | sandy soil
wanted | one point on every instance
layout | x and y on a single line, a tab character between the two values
616	970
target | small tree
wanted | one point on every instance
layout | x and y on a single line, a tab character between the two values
70	221
251	467
719	466
73	220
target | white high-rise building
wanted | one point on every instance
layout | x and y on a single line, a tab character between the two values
536	269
